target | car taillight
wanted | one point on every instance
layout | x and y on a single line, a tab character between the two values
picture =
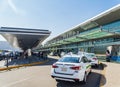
94	58
75	67
54	66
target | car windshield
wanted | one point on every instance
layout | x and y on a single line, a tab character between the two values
69	59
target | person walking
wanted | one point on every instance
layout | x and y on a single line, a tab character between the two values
108	55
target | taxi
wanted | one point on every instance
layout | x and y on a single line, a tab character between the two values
71	67
93	58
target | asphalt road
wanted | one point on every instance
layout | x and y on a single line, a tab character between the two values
39	76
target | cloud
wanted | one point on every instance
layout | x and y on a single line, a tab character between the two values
15	9
9	4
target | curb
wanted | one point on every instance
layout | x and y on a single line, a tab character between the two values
23	65
102	77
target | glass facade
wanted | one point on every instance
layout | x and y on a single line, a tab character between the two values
91	40
112	27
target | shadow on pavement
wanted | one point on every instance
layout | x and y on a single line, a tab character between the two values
101	66
104	65
103	79
51	61
92	81
28	60
31	60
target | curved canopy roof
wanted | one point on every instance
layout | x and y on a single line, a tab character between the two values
24	38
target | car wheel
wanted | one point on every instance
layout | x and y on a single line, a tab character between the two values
96	65
57	80
85	79
90	71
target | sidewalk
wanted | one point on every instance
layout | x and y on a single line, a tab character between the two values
111	75
2	63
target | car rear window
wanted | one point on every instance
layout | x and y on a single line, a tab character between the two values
69	59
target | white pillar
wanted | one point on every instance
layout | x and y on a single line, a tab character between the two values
29	52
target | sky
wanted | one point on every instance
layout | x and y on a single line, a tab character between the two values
56	16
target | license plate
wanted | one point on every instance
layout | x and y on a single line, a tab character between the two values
64	69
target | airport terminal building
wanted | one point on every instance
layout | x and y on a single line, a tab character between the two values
97	34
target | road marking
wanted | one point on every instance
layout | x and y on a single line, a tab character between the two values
15	82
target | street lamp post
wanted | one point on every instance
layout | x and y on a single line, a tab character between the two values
7	61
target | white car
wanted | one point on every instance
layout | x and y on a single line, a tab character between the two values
71	67
93	58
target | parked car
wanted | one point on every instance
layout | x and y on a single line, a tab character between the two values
93	58
71	67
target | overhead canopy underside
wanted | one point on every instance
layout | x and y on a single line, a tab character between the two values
24	38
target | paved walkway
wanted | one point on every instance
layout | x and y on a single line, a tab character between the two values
111	74
2	63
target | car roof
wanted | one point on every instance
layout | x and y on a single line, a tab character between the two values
73	55
91	53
